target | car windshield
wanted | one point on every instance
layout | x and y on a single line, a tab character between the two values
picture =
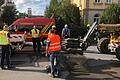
25	28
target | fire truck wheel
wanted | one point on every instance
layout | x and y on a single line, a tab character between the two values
118	52
103	45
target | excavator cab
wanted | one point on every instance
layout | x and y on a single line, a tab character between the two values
115	37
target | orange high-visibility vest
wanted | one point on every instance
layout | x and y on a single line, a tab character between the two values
54	43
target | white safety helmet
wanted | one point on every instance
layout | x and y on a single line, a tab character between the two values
66	26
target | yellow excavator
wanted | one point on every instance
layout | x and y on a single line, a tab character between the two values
107	38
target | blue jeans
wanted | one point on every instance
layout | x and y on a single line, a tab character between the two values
55	65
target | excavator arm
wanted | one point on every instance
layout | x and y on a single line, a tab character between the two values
84	41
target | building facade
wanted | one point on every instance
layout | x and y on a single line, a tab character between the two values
29	11
91	10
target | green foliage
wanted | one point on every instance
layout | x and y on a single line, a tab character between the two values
9	14
111	14
65	13
21	15
1	2
52	8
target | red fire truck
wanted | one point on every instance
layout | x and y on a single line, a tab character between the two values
20	30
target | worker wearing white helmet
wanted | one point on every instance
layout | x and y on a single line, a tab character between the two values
65	32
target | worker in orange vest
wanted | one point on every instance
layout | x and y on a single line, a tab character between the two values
52	29
53	48
5	43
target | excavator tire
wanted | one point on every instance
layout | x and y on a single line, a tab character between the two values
118	52
103	45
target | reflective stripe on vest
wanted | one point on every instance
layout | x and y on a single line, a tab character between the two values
34	33
57	43
54	43
4	38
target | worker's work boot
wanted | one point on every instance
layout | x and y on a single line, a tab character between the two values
11	67
53	74
59	75
3	68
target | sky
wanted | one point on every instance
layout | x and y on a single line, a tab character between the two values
38	6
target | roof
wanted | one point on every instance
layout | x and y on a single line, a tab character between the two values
33	21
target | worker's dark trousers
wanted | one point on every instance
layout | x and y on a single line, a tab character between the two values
55	64
36	44
5	55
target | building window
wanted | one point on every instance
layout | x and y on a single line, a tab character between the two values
97	1
109	1
97	18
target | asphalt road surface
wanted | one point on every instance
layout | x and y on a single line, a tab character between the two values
91	66
95	66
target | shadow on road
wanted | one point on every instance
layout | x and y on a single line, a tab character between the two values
93	69
91	51
20	59
23	64
29	70
97	52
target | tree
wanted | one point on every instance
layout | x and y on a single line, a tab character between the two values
1	2
21	15
9	14
65	13
111	14
52	8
